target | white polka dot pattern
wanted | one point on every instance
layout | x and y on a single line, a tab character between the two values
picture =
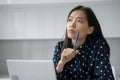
92	63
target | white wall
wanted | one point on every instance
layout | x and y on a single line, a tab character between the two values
115	54
48	21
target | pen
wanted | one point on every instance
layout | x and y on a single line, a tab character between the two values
76	40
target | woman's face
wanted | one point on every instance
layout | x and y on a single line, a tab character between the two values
77	22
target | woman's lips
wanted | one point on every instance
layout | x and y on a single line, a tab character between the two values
71	31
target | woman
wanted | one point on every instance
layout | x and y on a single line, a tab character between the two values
90	59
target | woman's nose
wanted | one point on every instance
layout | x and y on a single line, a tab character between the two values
73	24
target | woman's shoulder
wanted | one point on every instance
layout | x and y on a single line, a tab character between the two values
59	44
100	47
101	43
58	47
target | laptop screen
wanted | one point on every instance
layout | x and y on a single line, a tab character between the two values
31	70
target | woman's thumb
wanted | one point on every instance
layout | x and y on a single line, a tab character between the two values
77	51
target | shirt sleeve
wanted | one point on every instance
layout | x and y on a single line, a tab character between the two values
102	68
56	55
56	58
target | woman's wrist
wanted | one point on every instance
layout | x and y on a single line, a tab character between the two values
61	62
60	66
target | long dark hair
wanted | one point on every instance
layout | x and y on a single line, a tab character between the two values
92	22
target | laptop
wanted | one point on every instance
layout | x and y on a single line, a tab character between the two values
31	70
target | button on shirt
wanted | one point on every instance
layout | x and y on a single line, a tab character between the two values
91	63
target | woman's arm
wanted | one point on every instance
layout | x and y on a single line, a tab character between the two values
60	66
66	56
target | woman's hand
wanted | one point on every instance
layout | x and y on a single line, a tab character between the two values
66	56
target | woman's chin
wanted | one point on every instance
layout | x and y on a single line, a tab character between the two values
71	37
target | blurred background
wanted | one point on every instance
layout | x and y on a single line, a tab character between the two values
30	29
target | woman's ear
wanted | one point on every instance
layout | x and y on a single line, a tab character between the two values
90	30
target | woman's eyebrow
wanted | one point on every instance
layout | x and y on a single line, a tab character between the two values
70	17
77	17
80	18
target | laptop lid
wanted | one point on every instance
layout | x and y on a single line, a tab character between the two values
31	70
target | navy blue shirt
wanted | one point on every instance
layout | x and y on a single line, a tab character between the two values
91	63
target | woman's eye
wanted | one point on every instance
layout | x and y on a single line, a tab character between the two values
80	21
69	20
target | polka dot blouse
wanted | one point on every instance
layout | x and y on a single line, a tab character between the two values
91	63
